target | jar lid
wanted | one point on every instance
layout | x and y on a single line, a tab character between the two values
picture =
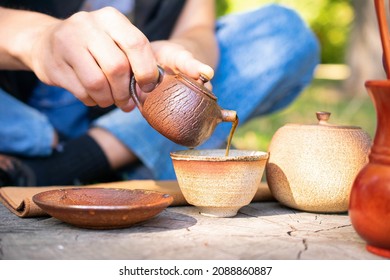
323	117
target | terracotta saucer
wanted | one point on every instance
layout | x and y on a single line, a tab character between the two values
102	208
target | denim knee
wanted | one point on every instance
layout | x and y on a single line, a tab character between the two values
24	130
268	56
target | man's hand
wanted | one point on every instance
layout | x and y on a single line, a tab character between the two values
93	55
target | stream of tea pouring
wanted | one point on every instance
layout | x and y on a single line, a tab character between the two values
229	142
205	79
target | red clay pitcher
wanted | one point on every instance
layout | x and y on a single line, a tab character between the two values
369	206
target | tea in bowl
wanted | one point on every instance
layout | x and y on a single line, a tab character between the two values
219	185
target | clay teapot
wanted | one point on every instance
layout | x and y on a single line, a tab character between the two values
311	167
181	109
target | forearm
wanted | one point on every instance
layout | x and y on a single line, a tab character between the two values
195	30
19	30
201	42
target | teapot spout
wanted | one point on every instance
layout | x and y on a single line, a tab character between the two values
229	115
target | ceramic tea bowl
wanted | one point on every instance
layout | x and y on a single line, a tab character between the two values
219	185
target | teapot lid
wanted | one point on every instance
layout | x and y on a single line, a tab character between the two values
323	118
199	87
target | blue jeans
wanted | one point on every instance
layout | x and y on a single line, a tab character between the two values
268	56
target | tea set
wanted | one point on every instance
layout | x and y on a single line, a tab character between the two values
318	167
308	167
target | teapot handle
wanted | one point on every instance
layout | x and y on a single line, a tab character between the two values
380	9
133	90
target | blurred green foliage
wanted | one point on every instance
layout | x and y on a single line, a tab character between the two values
331	20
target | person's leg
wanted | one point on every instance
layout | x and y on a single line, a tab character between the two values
29	153
145	144
268	56
24	130
71	119
65	112
31	129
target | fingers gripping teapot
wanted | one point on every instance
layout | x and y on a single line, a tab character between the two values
181	109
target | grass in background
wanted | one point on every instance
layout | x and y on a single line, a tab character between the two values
320	95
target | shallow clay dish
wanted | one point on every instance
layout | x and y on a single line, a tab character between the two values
102	208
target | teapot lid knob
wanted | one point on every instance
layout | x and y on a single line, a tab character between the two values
204	78
322	117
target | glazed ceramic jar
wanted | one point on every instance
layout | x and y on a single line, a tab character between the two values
312	167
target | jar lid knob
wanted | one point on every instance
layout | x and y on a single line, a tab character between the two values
323	117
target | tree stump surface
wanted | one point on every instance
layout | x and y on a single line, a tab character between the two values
260	231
